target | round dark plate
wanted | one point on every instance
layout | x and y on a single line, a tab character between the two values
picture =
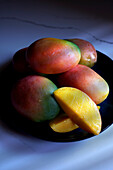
16	122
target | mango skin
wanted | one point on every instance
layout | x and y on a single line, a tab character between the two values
52	55
80	108
32	97
88	52
86	80
19	62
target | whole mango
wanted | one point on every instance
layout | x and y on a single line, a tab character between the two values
88	52
52	55
19	61
32	97
86	80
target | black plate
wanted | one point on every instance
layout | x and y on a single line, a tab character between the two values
16	122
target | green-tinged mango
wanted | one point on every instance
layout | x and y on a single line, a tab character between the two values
32	97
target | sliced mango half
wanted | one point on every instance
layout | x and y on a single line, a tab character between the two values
80	108
62	124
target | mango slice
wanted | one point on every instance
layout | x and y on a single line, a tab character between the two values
80	108
62	124
98	107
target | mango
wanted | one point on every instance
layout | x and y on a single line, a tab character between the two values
62	124
98	107
19	62
86	80
32	97
80	108
52	55
88	52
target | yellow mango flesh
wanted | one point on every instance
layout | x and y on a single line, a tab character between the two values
98	107
62	124
80	108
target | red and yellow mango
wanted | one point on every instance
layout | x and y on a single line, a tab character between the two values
88	52
87	80
52	55
32	97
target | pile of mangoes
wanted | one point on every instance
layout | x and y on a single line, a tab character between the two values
71	100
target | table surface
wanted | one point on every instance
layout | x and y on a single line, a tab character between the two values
21	23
